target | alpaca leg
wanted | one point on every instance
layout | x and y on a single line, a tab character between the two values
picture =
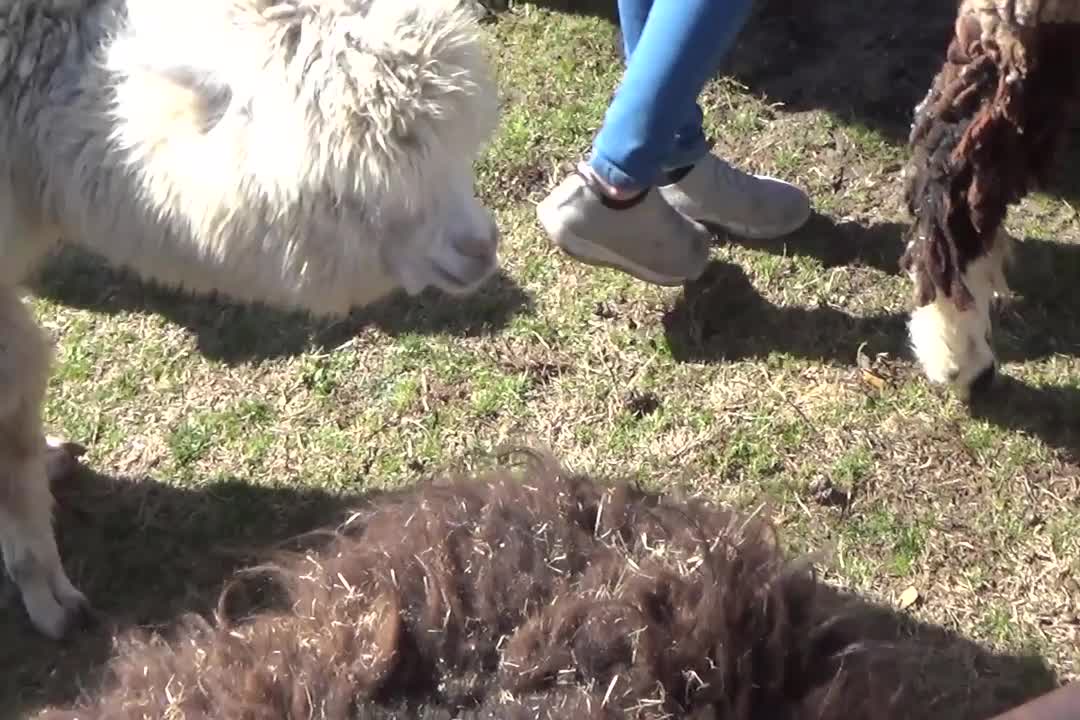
29	548
27	539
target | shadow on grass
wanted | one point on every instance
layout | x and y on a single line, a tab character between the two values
868	62
1049	412
236	333
605	9
1042	318
838	244
948	676
147	552
722	318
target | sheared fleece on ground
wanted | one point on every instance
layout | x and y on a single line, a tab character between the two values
534	594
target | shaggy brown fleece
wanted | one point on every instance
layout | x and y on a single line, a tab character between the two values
531	594
984	135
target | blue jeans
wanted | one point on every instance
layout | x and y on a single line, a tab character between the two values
654	123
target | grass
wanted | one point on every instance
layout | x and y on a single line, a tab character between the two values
217	427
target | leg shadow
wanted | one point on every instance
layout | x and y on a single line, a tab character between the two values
1043	317
722	318
236	333
837	244
1051	413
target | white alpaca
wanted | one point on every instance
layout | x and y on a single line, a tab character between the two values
312	154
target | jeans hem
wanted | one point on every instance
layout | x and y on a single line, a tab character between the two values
616	176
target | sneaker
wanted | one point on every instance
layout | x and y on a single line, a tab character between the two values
644	237
755	207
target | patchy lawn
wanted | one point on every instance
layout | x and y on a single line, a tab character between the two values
780	381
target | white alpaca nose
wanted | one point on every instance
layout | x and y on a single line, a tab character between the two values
479	244
467	259
455	255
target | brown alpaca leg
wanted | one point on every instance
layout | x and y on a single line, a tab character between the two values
27	540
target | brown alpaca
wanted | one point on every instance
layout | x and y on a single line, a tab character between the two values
984	135
532	594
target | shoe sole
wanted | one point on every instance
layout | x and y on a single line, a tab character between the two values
590	253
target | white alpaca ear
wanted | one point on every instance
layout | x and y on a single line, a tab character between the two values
178	99
210	93
164	88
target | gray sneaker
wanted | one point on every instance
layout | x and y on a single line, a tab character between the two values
648	239
755	207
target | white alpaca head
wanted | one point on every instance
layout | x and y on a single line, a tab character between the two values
316	153
419	75
955	347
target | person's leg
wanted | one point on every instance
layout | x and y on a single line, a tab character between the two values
632	17
698	184
674	55
604	213
690	143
